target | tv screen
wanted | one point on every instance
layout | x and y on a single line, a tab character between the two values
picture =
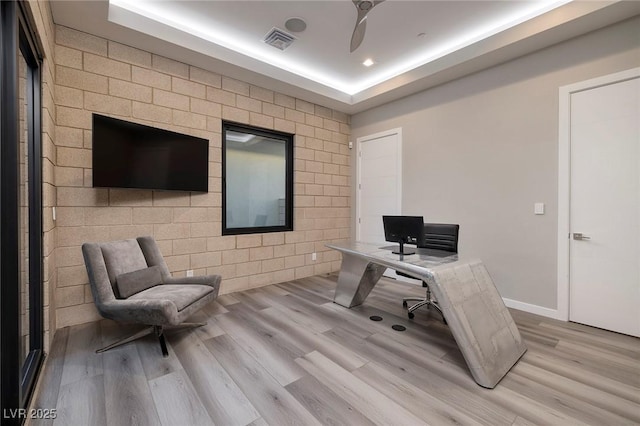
130	155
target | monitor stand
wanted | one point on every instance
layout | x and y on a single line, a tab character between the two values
402	250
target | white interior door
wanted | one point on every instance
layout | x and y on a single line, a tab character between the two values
379	183
379	186
604	265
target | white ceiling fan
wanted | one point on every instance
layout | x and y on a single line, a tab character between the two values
363	7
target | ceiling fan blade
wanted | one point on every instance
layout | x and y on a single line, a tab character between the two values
358	34
361	22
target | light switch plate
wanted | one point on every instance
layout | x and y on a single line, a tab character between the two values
189	272
538	208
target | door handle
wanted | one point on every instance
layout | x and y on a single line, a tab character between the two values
579	236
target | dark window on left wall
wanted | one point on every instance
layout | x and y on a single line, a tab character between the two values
257	180
21	268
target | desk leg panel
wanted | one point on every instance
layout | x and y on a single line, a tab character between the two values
478	319
356	280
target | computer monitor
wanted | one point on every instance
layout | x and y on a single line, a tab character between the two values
403	230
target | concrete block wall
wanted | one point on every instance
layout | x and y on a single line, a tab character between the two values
93	74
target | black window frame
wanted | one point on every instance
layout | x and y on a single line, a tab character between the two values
288	138
18	376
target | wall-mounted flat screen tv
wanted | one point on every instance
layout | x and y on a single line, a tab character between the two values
130	155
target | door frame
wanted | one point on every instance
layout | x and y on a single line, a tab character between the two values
564	177
359	142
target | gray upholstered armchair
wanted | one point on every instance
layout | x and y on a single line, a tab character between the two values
131	283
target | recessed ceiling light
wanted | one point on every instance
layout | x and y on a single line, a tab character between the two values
295	25
368	62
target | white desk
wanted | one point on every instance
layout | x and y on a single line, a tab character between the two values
477	317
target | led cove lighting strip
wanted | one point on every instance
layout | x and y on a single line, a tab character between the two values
154	11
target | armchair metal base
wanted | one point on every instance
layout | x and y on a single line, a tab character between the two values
159	332
427	301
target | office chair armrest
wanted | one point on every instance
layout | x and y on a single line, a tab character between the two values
150	312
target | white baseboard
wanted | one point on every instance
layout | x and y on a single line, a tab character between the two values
532	309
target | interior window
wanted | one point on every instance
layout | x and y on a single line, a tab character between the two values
257	192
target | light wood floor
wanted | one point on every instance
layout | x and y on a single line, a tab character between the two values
286	355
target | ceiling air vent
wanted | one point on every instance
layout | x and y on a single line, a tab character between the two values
278	38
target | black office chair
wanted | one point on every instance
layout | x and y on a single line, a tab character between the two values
438	236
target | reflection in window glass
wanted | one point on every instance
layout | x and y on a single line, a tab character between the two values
23	198
257	193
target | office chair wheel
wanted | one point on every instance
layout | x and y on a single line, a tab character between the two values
404	303
411	315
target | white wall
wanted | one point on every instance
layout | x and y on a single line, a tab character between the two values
479	151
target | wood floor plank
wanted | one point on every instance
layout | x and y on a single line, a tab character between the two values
214	308
521	421
307	340
46	396
551	363
80	360
453	388
574	404
154	364
127	394
226	300
357	323
294	339
259	422
624	339
82	402
596	397
357	371
435	336
304	290
273	402
531	409
222	398
414	338
626	364
253	299
603	367
265	349
502	395
359	316
372	403
274	290
177	402
211	327
496	398
625	345
323	285
313	320
325	405
530	335
312	310
414	399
